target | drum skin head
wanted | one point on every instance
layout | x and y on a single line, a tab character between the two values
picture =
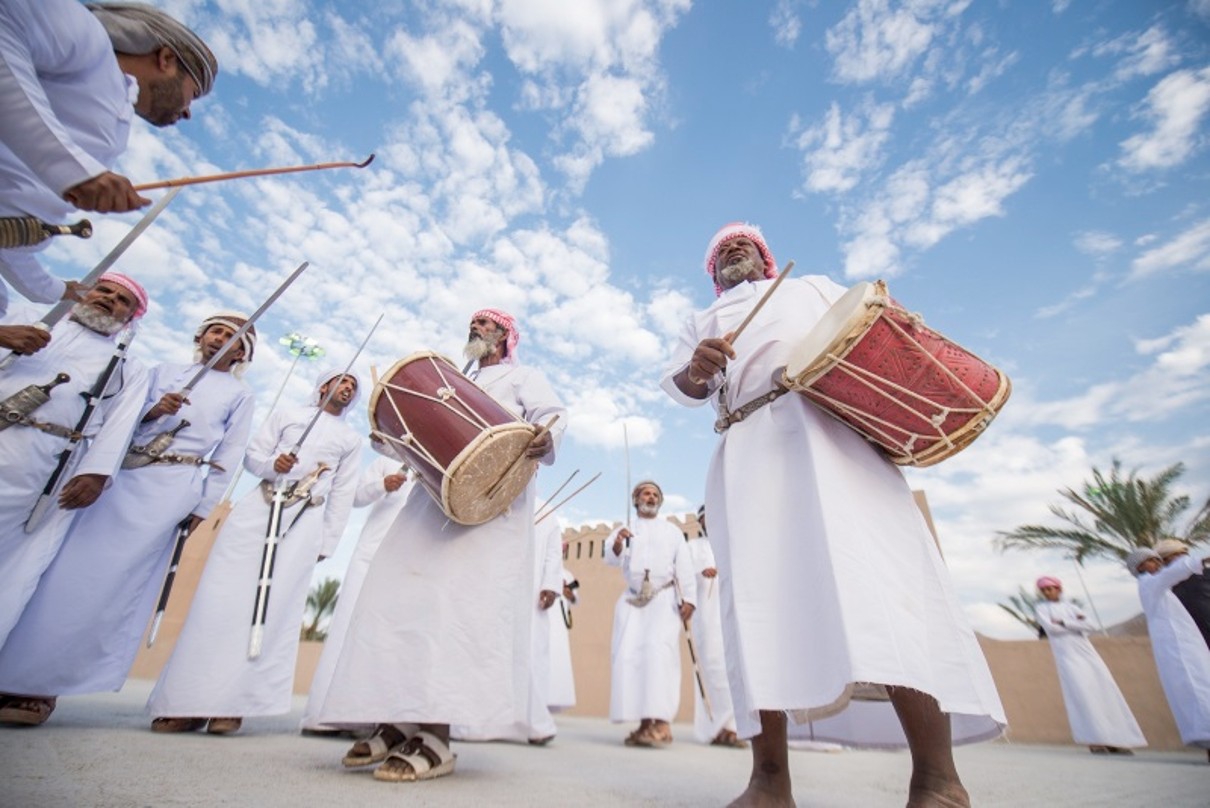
845	321
488	463
466	448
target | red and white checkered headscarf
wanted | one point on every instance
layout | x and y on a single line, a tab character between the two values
732	231
130	285
509	324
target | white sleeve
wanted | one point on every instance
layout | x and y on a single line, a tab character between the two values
685	574
686	344
228	452
370	488
23	272
58	33
262	449
540	404
552	564
611	559
340	499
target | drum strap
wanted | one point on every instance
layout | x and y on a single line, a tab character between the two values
728	418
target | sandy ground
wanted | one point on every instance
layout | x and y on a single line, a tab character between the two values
98	751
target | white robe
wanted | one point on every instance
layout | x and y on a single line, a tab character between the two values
67	112
707	626
829	574
562	692
645	665
28	456
1180	652
209	673
386	506
539	723
81	630
1096	710
443	619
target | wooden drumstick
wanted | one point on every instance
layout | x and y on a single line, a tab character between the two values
542	428
760	303
255	172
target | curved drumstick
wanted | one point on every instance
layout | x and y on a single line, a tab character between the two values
760	303
255	172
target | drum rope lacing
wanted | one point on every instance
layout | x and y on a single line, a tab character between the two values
863	376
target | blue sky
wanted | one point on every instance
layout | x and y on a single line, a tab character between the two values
1030	176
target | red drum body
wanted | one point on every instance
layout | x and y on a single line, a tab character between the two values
873	365
467	449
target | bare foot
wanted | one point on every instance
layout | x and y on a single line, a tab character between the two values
761	796
938	795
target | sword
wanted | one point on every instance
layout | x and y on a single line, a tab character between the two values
243	329
182	533
51	489
273	531
697	669
61	309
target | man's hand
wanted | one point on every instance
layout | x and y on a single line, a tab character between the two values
284	462
709	359
169	404
686	611
393	482
540	446
569	594
82	491
623	535
23	339
709	572
106	193
546	599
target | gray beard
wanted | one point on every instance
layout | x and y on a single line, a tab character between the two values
477	348
97	321
649	511
740	270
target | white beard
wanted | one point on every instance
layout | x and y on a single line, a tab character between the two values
648	511
95	320
740	270
477	348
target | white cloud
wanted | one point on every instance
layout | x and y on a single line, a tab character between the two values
840	149
1097	243
1146	53
439	63
607	51
875	40
1176	106
268	41
1177	379
912	210
785	22
1190	248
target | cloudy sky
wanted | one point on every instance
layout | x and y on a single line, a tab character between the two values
1032	177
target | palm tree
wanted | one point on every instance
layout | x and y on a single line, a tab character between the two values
1023	607
321	600
1126	512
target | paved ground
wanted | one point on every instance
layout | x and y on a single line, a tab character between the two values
97	751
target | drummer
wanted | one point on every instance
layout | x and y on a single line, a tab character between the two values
855	624
451	645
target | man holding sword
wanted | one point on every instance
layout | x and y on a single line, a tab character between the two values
80	632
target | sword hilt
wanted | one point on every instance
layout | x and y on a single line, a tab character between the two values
28	231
